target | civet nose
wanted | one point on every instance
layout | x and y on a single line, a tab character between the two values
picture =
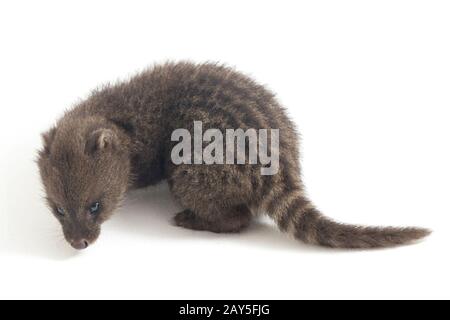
80	244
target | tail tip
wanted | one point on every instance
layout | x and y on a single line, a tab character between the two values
420	233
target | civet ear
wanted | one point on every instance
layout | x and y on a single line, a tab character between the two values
47	139
101	140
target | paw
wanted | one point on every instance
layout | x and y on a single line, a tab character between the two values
186	219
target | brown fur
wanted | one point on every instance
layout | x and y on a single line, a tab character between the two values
119	138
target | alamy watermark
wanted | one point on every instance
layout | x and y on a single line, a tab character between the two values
241	147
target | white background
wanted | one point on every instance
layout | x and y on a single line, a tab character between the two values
367	83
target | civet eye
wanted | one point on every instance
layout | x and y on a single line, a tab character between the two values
61	211
95	208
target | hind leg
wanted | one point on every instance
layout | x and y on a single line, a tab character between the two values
216	197
232	221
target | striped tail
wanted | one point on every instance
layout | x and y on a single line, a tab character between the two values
296	215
